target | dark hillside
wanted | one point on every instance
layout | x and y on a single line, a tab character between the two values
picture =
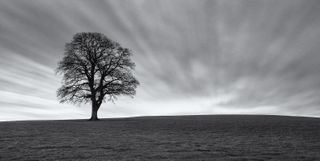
220	137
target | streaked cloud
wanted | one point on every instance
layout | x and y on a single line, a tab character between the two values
192	57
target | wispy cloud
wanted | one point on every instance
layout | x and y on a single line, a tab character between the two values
192	57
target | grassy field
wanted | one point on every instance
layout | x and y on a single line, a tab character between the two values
216	137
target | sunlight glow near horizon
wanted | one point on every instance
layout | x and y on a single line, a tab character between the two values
192	57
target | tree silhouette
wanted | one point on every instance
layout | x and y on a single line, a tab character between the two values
95	68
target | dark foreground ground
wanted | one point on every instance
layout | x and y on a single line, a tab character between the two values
218	137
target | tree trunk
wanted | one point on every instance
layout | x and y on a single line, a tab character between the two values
94	113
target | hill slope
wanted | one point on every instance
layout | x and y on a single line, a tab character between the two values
221	137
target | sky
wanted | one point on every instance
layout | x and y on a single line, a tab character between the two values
192	56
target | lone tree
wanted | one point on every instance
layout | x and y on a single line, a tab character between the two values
95	68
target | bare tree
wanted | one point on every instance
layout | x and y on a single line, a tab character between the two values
95	68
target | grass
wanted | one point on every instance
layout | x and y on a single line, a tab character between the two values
216	137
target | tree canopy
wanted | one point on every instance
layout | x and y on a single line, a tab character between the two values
95	68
